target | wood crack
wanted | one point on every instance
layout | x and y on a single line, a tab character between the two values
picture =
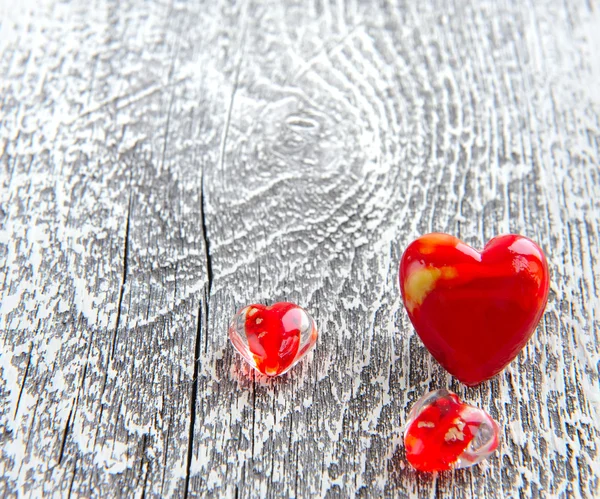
75	401
208	262
24	378
202	322
72	479
118	321
123	280
203	225
145	486
65	433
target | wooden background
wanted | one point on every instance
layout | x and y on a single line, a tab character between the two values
165	163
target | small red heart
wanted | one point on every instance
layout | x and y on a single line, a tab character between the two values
272	339
474	311
443	433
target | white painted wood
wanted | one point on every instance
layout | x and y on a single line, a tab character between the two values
163	165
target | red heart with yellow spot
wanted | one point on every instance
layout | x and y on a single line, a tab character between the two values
474	311
444	433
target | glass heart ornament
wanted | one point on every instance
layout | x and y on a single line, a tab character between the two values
274	338
444	433
474	310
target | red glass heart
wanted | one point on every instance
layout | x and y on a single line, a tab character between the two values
474	311
443	433
273	339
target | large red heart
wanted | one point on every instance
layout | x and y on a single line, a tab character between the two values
474	311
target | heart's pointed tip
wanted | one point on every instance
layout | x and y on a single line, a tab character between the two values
272	371
472	384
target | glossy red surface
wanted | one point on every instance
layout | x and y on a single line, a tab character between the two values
273	338
275	350
438	437
474	311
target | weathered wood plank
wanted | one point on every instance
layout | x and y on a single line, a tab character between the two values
106	135
165	164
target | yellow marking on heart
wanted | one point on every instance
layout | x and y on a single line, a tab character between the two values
430	242
422	281
453	435
272	371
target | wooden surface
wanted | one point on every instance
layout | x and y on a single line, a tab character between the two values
165	163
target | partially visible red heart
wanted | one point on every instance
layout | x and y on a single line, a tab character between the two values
474	311
273	339
443	433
